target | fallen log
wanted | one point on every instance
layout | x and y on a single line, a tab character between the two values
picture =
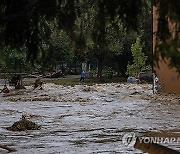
7	148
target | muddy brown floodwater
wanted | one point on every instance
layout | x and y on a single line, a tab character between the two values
87	119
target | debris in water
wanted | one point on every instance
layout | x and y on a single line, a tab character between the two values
136	93
5	90
38	83
7	148
89	88
23	125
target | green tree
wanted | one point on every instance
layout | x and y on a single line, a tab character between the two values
88	24
139	59
145	31
21	21
12	60
56	49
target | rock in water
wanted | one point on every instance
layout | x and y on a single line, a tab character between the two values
23	125
132	80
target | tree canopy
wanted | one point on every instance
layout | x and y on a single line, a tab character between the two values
24	22
27	25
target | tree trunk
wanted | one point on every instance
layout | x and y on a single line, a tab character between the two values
100	68
75	69
123	72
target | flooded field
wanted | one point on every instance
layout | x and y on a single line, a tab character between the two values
87	119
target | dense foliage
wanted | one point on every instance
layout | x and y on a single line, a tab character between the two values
48	31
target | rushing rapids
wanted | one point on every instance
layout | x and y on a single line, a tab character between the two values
87	118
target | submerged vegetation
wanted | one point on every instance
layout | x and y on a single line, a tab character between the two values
23	125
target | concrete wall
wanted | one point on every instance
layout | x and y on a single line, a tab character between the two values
168	77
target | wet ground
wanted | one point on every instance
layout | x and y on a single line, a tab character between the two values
87	119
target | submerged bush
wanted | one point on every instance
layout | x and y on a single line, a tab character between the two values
23	125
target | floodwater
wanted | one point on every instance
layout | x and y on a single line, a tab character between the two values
87	119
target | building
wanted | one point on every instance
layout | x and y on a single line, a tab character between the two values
169	79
